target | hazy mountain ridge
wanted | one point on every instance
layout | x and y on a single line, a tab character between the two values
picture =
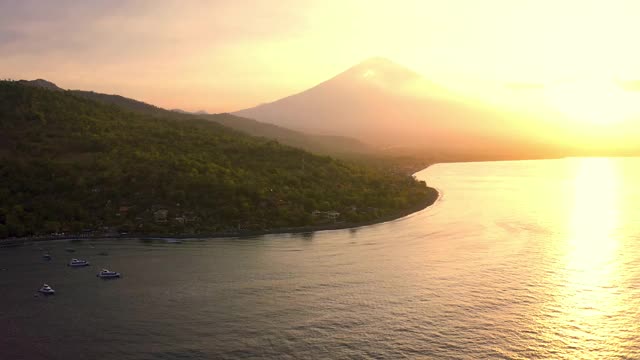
326	144
383	103
334	145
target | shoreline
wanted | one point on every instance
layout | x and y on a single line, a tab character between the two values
237	234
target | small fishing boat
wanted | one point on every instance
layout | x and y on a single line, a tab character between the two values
46	257
47	290
78	263
108	274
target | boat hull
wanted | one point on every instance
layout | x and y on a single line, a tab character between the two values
110	276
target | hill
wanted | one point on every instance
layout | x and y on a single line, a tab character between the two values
321	144
386	104
123	102
330	145
70	164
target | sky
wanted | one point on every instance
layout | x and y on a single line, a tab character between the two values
578	56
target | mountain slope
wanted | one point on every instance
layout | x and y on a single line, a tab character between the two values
121	101
383	103
68	163
332	145
322	144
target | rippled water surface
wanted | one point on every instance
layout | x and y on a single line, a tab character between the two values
516	260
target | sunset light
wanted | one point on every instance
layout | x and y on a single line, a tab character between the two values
599	102
319	179
474	47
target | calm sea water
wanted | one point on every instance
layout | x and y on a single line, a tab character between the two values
516	260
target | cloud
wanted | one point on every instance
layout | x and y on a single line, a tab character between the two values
30	27
154	50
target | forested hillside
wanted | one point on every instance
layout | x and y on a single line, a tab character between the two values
72	164
322	144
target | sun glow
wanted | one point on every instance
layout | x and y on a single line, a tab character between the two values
595	215
591	275
588	293
594	101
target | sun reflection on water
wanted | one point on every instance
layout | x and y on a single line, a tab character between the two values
589	296
594	218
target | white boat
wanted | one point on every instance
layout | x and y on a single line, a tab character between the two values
46	257
107	274
47	290
78	263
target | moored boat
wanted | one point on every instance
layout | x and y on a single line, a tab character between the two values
108	274
47	290
78	263
46	257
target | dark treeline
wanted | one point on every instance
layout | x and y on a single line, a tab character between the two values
71	164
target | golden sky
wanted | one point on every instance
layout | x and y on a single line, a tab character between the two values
228	55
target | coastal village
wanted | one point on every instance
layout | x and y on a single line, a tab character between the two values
167	220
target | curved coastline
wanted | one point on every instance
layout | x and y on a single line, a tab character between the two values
430	200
